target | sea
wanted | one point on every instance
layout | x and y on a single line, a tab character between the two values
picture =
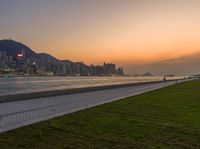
16	85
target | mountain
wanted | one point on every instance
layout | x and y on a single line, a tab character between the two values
12	48
47	61
186	65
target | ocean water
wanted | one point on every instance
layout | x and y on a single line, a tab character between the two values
15	85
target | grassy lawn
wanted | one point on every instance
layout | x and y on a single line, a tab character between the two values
165	118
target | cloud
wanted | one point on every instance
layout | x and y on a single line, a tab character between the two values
186	65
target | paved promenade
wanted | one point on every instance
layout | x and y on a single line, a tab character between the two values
20	113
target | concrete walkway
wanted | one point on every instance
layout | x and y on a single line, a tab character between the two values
25	112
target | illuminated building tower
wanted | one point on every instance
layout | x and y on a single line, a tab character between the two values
21	65
21	56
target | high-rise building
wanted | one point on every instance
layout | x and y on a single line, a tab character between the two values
109	68
21	63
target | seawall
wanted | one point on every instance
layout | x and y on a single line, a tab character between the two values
32	95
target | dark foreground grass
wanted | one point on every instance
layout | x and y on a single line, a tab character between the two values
166	118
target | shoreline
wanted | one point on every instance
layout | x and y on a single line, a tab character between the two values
50	93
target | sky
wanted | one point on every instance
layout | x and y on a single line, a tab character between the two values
124	32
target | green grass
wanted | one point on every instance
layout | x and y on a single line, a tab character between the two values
165	118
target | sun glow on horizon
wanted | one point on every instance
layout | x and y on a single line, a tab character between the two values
123	32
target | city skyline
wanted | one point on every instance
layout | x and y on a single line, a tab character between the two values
16	59
125	32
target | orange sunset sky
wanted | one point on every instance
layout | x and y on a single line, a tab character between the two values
93	31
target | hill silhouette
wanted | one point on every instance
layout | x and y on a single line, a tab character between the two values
12	48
